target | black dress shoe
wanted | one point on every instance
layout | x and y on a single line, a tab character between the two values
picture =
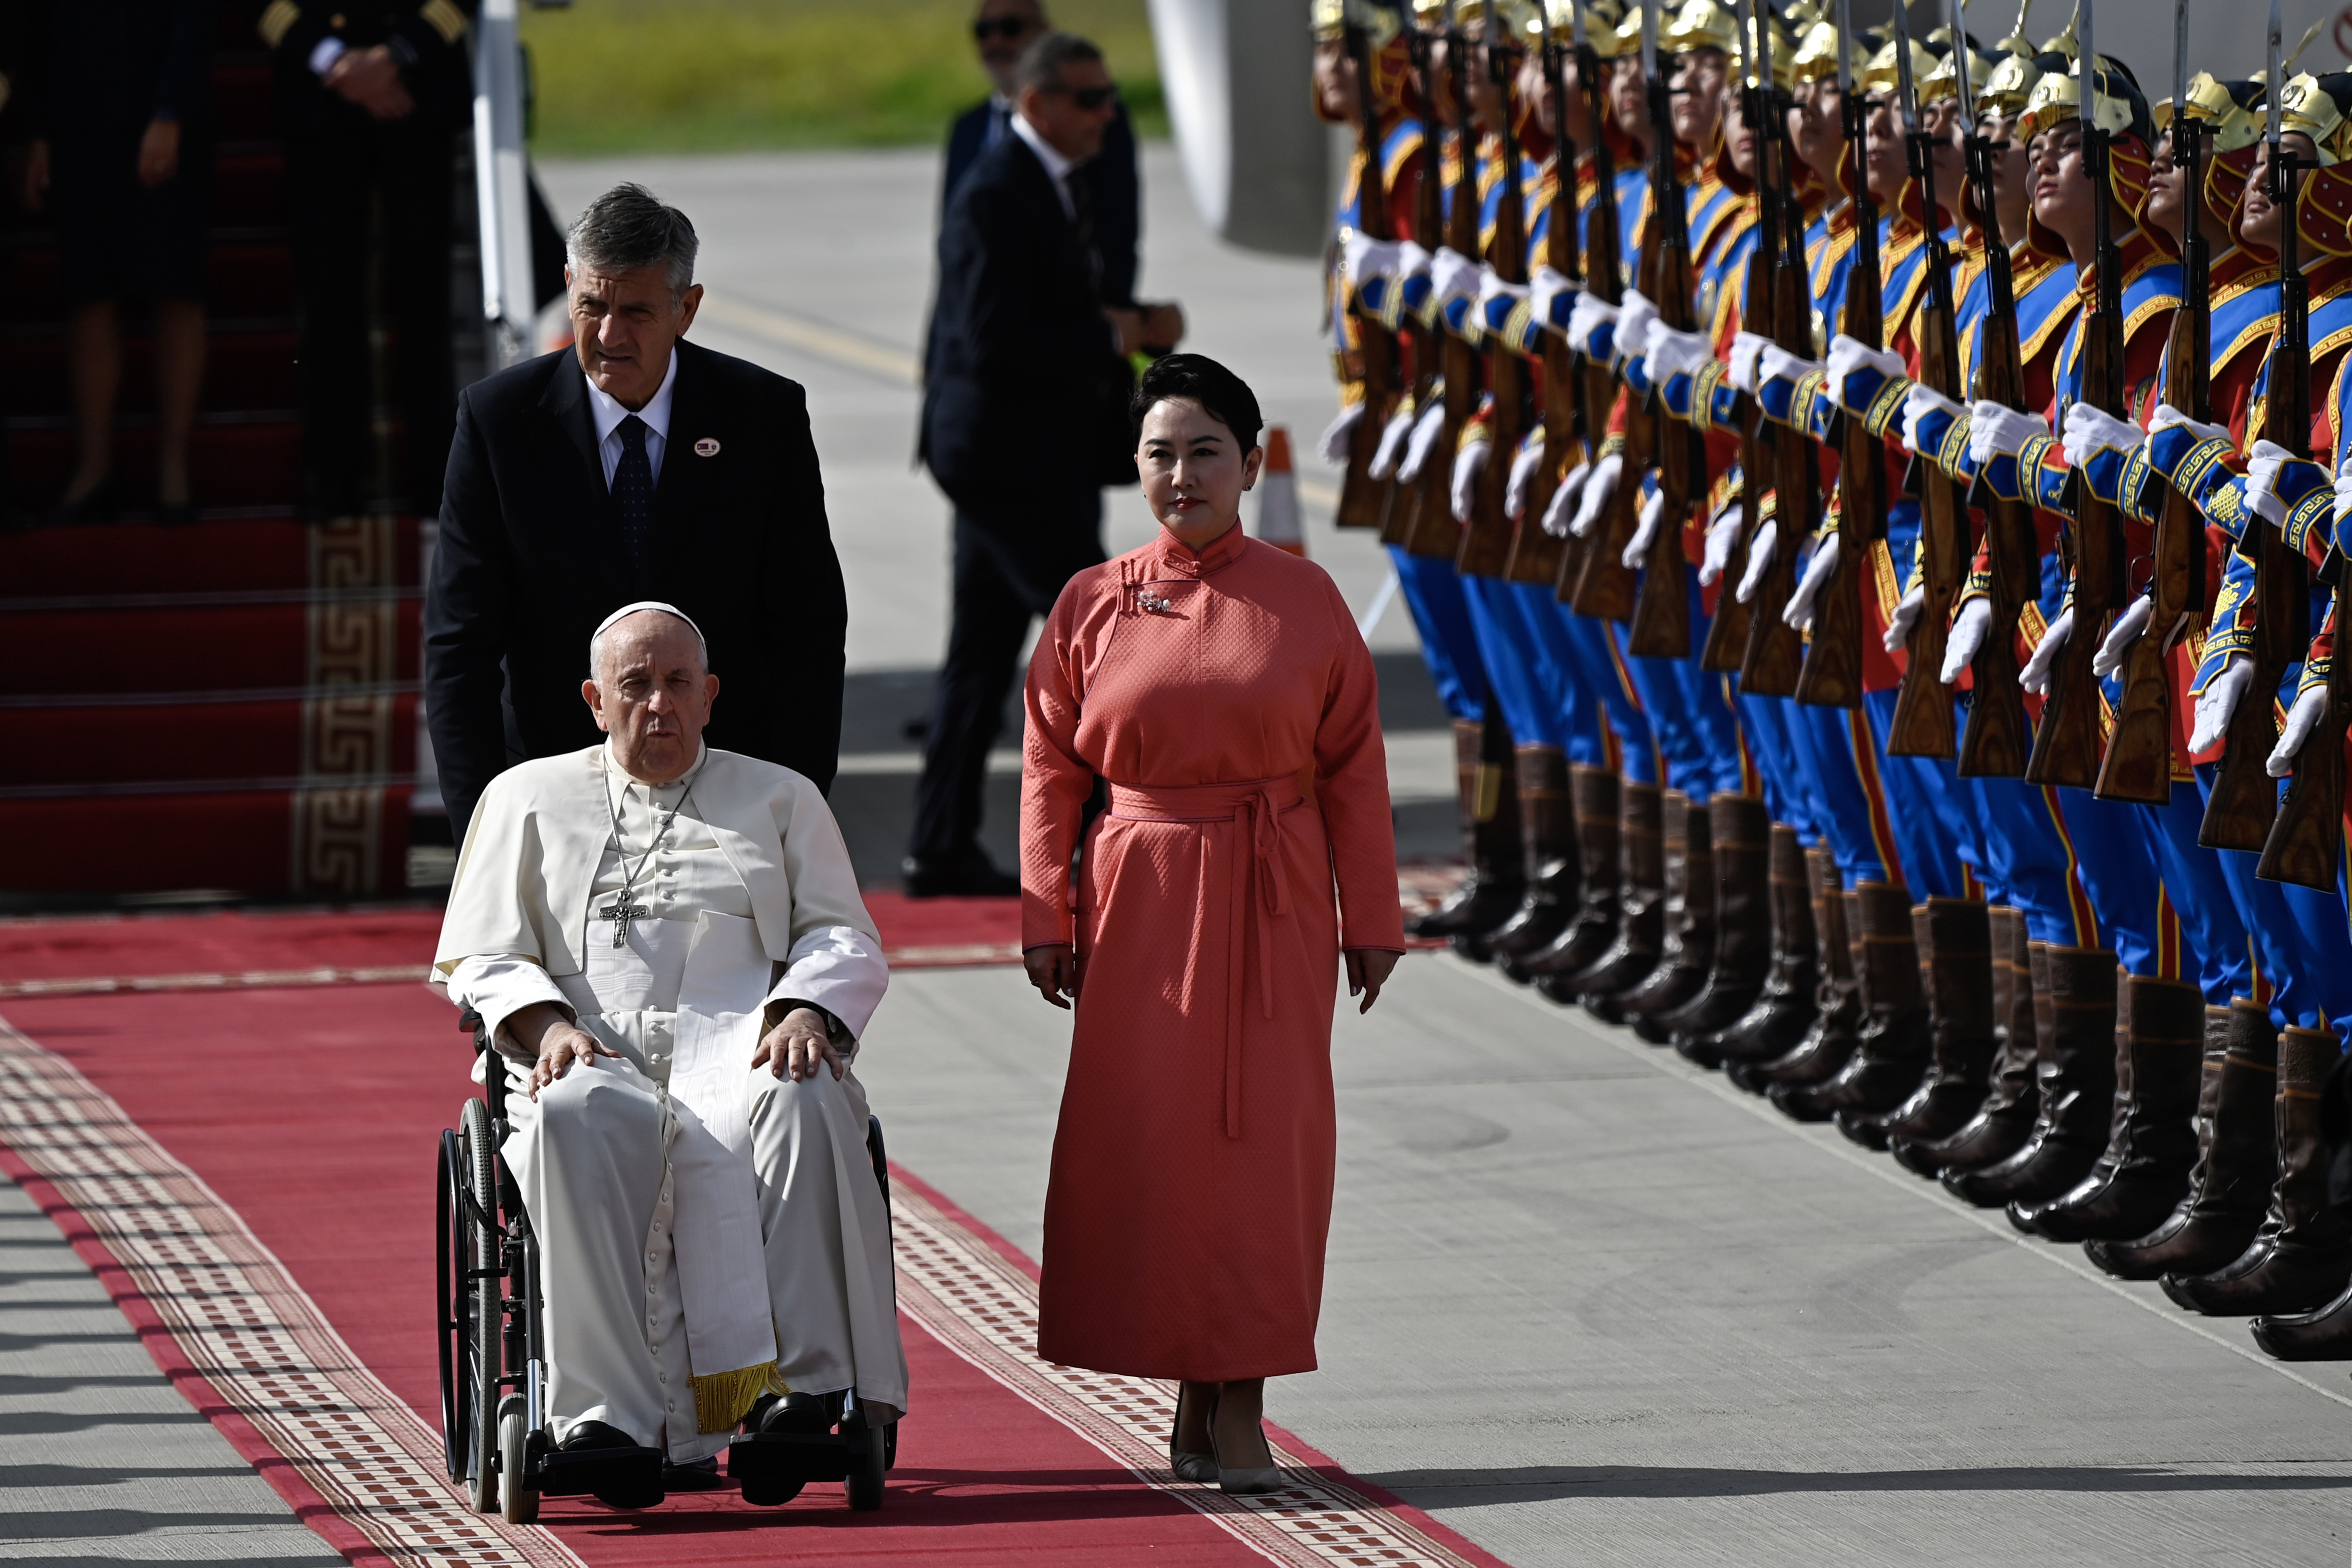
589	1435
701	1476
98	506
973	879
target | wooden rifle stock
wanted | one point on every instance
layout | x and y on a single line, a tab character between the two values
1486	539
1363	499
1925	724
2306	842
1592	580
1661	627
1398	523
1727	638
1436	535
1776	650
1536	555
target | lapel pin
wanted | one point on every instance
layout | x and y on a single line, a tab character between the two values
1151	604
705	447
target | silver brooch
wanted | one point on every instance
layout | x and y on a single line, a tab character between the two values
1151	606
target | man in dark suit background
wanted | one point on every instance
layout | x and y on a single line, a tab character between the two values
1023	422
633	466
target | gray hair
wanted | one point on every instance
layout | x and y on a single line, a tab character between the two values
1041	62
596	643
628	227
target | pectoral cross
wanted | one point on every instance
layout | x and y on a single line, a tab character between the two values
620	911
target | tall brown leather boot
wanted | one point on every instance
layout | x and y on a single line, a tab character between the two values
2322	1335
2302	1256
1955	940
2145	1172
1548	826
1499	856
1777	1020
1688	955
1641	905
2003	1123
1486	898
1740	830
2077	1086
2237	1158
1890	1055
1593	799
1829	1041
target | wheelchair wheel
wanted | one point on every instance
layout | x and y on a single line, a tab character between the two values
863	1483
521	1503
480	1319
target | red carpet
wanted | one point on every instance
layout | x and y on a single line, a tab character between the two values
310	1111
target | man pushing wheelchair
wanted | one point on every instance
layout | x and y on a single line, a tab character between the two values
666	946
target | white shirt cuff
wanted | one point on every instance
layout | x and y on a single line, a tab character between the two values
325	53
839	969
499	986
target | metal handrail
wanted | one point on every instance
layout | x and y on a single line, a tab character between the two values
502	183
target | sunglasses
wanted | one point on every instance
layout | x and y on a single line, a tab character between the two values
1006	27
1089	99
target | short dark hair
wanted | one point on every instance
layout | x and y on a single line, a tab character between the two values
1041	63
1197	378
628	227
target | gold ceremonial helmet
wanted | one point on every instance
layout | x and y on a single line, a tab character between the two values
1881	72
1816	58
1784	48
1700	25
1944	81
2229	107
2315	106
2058	95
1379	19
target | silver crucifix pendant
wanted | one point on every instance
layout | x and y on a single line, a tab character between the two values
620	911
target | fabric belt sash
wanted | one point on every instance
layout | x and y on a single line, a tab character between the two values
1257	870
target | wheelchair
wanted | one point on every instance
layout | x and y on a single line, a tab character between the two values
492	1349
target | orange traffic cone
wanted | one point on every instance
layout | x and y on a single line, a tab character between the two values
1278	504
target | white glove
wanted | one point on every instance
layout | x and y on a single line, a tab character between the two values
1547	286
2310	706
1745	349
1850	355
1393	436
1760	560
2343	493
1673	353
1968	637
1452	276
1523	472
1997	430
2262	466
1780	364
1424	437
1366	257
1339	435
2121	635
1635	317
1599	486
1646	532
2219	700
2090	431
1918	404
1818	571
1469	464
1562	507
2167	416
1586	317
1492	287
2035	676
1906	615
1722	539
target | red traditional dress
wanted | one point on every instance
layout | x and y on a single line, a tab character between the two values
1228	701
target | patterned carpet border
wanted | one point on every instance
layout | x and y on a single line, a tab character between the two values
978	1303
249	1330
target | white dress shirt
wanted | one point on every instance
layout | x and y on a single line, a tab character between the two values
608	414
1057	167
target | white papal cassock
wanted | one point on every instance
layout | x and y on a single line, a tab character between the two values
707	1230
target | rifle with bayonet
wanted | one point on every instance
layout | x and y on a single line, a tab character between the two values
1486	539
1604	277
1831	677
1435	534
2068	740
1536	554
1727	637
2139	750
1429	233
1661	627
2244	804
1363	498
1605	589
1994	743
1769	665
1923	725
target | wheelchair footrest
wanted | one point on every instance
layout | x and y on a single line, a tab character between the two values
793	1456
629	1472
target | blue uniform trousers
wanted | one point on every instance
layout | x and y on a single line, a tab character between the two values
1449	643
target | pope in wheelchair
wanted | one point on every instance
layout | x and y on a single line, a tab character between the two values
668	956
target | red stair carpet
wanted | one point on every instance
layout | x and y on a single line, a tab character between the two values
230	705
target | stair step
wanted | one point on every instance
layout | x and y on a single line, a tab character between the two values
242	841
227	556
120	744
242	370
244	93
251	278
208	648
258	463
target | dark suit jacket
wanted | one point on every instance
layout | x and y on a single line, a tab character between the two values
529	561
1020	387
1109	176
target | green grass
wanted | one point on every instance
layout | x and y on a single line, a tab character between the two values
621	75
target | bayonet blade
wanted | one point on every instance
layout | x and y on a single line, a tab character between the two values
1906	100
2086	66
1960	63
2179	65
1650	39
1845	48
2274	86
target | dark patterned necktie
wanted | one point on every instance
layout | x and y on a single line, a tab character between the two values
632	494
